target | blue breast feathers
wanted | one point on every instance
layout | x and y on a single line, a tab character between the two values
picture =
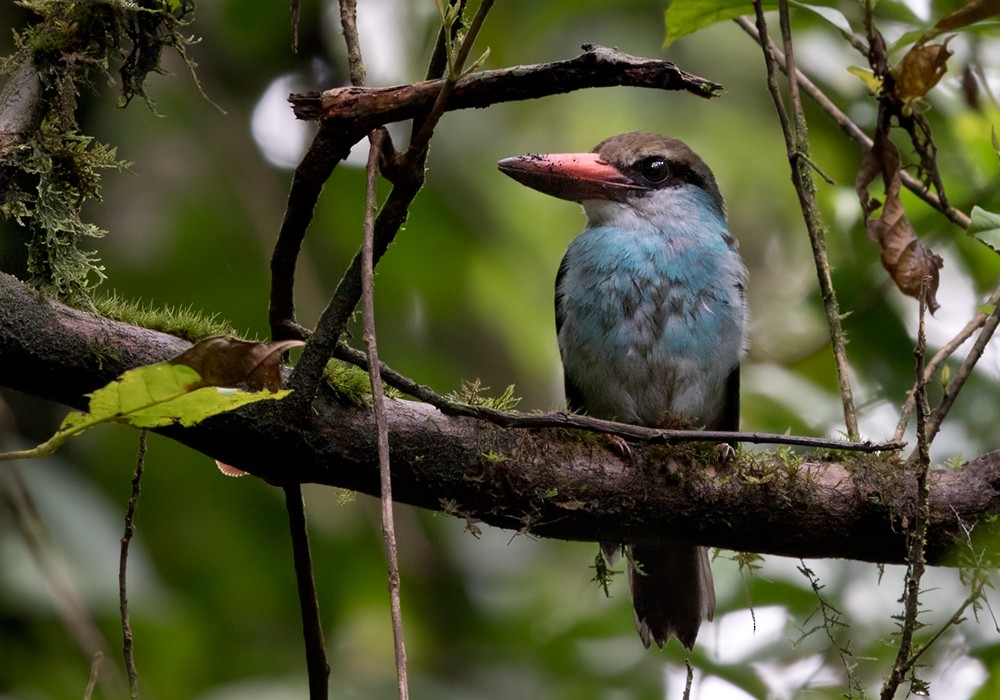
651	313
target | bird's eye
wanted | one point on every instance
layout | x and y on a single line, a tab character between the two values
653	170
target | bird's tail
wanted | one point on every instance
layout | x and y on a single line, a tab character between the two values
672	593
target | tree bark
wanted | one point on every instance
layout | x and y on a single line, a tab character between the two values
547	482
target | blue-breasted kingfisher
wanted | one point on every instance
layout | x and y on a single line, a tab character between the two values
651	319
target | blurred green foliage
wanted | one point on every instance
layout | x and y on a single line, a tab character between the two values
466	294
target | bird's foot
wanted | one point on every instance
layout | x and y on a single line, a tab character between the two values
726	452
620	447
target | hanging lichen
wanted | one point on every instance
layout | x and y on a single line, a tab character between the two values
48	169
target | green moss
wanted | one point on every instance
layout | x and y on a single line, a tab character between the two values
473	394
183	321
494	457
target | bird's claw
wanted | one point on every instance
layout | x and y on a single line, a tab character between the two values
727	453
619	446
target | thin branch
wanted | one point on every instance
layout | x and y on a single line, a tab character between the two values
312	628
963	374
71	609
131	671
95	673
796	142
418	144
849	127
561	419
329	147
946	351
349	23
378	408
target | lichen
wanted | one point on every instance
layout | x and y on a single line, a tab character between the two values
51	169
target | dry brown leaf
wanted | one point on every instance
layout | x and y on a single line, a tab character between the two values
908	261
964	16
921	69
223	361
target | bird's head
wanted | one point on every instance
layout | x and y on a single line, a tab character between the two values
648	174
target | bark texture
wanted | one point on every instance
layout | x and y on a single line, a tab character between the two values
549	482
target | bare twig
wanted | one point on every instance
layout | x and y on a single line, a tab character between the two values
946	351
70	607
419	142
561	419
963	374
349	23
131	671
378	406
796	141
312	629
832	619
95	673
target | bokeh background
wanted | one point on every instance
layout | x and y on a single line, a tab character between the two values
464	293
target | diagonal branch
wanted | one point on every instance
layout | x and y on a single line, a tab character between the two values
598	66
856	133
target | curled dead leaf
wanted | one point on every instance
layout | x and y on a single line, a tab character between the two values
913	267
223	361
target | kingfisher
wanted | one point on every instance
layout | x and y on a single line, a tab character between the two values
651	320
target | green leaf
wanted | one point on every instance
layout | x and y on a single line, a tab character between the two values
985	227
149	397
685	17
871	81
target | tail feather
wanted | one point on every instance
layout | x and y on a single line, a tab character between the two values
672	594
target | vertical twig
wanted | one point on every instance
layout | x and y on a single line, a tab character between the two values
69	605
95	673
917	528
312	629
349	23
378	406
133	502
689	680
797	145
418	144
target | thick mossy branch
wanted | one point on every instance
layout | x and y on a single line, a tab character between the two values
546	482
48	169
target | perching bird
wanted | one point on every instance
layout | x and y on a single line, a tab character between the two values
652	323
